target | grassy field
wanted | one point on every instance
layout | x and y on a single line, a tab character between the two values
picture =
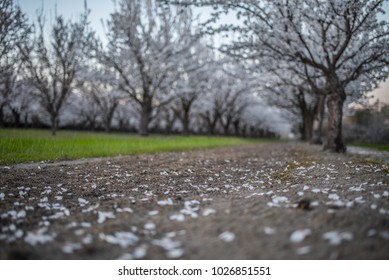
17	145
381	147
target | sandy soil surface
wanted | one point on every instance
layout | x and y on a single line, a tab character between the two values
265	201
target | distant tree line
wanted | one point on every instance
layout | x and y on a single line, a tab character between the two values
155	74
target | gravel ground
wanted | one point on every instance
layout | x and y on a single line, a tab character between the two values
264	201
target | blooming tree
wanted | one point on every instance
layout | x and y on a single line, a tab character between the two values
147	41
53	63
14	34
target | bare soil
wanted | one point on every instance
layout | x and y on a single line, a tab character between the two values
264	201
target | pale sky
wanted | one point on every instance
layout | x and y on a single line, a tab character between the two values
101	10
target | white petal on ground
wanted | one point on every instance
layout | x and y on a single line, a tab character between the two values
175	253
177	217
149	226
299	235
126	209
336	237
280	199
208	211
333	196
303	250
34	238
88	239
172	247
227	236
139	252
86	225
153	213
71	247
123	239
82	201
21	214
359	200
168	201
19	233
269	230
167	243
371	232
102	216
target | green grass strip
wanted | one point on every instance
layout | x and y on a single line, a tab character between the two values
18	145
381	147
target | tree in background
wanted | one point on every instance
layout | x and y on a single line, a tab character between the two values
147	42
14	34
100	86
193	83
53	63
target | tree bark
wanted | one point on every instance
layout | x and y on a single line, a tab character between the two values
54	124
2	122
307	118
318	120
145	119
185	123
236	124
16	117
335	103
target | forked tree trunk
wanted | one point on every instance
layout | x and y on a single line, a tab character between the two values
318	121
335	103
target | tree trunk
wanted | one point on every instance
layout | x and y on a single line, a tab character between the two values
318	120
307	127
226	126
54	124
145	119
306	117
2	122
236	124
185	123
335	103
107	125
108	119
16	117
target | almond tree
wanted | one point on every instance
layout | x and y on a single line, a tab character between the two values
193	83
100	86
53	63
146	43
14	33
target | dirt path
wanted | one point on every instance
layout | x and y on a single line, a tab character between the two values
231	203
